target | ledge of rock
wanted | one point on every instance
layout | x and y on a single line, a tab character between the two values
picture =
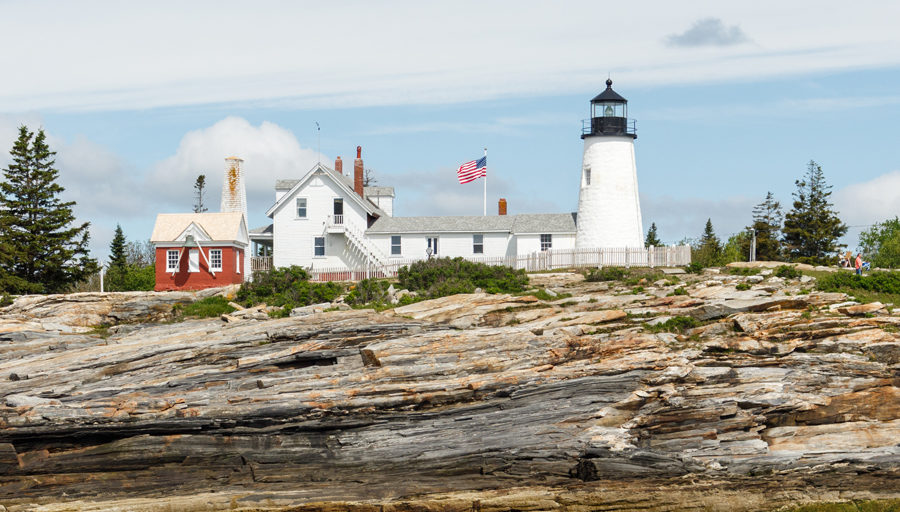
470	402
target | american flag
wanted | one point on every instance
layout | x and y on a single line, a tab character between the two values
471	171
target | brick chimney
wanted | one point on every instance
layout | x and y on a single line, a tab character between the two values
358	173
339	165
501	207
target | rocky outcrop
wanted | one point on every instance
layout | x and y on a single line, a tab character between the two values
471	402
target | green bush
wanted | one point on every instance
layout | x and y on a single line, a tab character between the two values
675	324
879	282
694	267
368	291
438	277
788	272
130	278
595	275
742	286
288	287
208	307
677	291
742	271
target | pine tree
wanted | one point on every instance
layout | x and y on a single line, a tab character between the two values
709	251
652	239
117	256
812	228
43	251
199	190
767	219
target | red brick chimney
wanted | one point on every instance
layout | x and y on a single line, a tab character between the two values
358	173
501	207
339	165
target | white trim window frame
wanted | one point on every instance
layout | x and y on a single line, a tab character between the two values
301	207
396	245
478	244
215	260
237	261
172	260
546	242
319	247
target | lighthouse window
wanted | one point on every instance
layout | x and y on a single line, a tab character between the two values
587	176
546	242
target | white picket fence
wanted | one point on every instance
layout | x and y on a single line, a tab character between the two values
671	256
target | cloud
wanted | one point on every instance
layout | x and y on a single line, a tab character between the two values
708	32
685	217
868	202
269	152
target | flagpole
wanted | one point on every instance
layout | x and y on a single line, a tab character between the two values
485	183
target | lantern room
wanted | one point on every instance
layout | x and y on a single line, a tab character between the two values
609	115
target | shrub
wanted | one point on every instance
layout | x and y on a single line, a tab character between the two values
742	286
595	275
130	278
288	287
208	307
742	271
694	267
438	277
675	324
368	291
677	291
879	282
787	272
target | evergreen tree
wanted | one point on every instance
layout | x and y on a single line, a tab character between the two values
708	251
117	256
767	219
812	228
199	190
43	251
652	239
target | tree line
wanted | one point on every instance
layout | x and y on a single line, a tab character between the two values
809	232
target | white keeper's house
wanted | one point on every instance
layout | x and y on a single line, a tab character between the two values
329	222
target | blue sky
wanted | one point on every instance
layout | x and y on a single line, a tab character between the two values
731	101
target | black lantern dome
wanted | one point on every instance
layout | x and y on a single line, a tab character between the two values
609	115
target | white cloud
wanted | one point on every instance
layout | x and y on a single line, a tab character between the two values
868	202
709	32
115	55
269	152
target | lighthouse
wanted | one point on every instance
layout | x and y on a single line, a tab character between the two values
609	211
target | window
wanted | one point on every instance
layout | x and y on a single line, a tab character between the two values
432	249
237	261
172	261
319	246
301	207
215	260
395	245
194	260
546	242
587	176
478	244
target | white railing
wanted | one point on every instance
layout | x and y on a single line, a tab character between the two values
260	263
673	256
338	219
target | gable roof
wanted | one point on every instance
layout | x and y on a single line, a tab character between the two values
525	223
339	179
220	227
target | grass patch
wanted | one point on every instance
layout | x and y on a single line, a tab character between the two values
741	271
677	324
875	287
677	291
596	275
742	286
543	295
849	506
787	272
206	308
101	330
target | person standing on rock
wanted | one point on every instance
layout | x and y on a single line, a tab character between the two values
859	263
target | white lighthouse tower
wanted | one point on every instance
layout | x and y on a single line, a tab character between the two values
609	211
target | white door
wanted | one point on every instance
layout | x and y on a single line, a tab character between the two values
194	261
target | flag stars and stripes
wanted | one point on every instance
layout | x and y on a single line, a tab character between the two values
471	171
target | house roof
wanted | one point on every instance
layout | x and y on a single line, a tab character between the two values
379	191
219	226
520	224
342	181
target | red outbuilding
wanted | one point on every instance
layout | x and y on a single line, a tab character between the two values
200	250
